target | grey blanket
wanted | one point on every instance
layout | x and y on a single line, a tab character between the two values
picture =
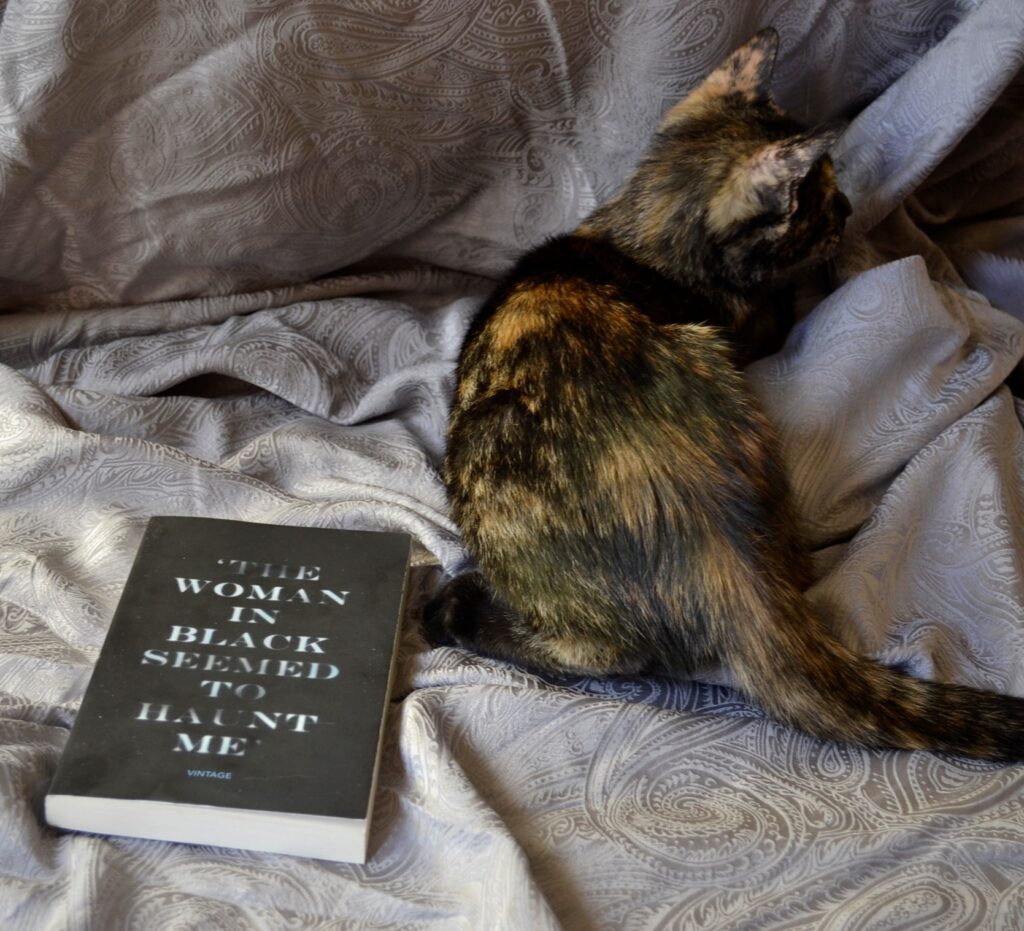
240	243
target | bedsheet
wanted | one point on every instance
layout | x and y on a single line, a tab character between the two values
239	246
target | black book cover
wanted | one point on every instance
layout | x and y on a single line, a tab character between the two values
246	667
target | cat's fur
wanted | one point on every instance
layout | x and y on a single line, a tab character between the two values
613	477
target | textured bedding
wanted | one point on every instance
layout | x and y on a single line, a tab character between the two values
239	246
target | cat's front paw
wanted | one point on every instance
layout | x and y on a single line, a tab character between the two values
450	617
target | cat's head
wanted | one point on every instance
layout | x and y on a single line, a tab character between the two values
733	192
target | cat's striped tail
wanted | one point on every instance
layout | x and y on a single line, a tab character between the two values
784	658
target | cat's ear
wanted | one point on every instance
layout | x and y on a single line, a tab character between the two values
746	72
767	182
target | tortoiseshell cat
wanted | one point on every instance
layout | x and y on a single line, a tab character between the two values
614	479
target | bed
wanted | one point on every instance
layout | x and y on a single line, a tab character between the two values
239	246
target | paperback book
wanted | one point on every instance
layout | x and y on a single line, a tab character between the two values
241	692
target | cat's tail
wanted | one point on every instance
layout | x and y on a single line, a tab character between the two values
785	659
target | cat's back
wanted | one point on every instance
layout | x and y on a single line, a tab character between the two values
586	372
590	425
576	317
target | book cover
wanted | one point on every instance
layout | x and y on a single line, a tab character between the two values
240	694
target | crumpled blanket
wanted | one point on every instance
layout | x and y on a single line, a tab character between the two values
239	246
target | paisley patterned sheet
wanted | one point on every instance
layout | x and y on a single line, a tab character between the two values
239	244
